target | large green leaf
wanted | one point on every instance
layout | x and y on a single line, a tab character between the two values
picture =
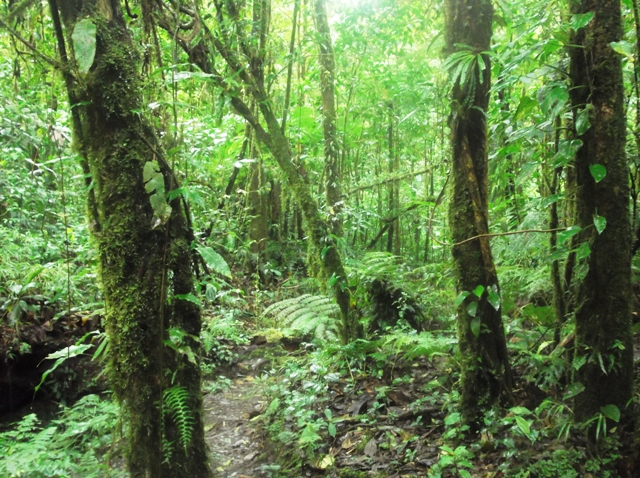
215	261
84	44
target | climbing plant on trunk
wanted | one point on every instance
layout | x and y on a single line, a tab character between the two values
486	375
143	244
604	347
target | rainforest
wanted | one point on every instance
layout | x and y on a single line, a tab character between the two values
319	238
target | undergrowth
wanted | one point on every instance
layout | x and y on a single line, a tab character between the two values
77	443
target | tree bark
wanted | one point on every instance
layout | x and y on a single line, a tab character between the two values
327	86
603	313
486	374
145	261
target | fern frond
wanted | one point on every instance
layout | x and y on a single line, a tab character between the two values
307	313
424	344
176	401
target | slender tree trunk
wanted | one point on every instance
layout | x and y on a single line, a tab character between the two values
486	374
327	86
144	250
247	62
603	313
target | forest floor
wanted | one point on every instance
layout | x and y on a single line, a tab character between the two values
237	445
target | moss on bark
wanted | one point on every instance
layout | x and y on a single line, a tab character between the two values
140	265
603	313
486	375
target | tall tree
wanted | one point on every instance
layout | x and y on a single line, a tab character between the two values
603	313
486	374
143	242
327	88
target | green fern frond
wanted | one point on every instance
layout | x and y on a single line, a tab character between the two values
424	344
176	401
307	313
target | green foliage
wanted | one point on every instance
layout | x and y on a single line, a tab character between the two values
84	43
176	403
307	313
78	443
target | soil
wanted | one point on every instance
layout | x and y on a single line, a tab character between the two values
237	446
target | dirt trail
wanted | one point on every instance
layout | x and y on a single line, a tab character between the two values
237	446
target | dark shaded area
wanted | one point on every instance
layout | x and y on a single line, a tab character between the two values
390	303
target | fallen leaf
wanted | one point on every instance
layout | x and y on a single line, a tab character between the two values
371	447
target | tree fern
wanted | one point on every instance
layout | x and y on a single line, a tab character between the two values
176	402
307	313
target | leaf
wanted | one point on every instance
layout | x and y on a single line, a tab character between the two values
523	425
579	361
494	298
526	106
567	150
474	325
580	20
611	412
326	462
452	419
461	297
189	298
62	356
598	171
600	223
574	389
520	411
371	448
583	251
623	48
478	291
214	261
583	122
84	44
472	309
332	429
569	233
154	185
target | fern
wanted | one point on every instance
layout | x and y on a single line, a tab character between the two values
176	401
421	345
308	313
380	265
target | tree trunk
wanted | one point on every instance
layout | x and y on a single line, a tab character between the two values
486	375
247	64
144	250
603	313
327	87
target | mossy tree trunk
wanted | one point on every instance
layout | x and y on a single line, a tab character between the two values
327	87
603	313
245	63
145	260
486	375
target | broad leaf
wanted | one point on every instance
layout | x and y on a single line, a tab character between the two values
215	261
569	233
472	309
580	20
583	122
478	291
598	171
84	44
600	222
573	390
611	412
461	297
474	325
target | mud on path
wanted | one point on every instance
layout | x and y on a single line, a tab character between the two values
236	444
